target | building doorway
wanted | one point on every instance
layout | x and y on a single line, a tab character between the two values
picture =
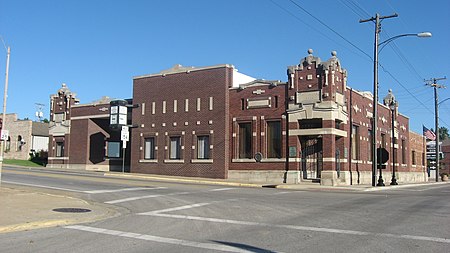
312	157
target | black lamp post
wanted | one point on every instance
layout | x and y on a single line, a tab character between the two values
380	178
393	106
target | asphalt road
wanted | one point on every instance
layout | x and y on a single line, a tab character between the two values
175	217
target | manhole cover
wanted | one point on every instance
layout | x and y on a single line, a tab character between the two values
71	210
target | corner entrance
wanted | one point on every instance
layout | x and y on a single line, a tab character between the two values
312	157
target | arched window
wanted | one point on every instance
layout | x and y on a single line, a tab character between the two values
19	143
8	144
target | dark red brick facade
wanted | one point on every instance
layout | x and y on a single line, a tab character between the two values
183	103
218	123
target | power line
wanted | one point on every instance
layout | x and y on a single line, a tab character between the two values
331	29
315	29
352	8
358	6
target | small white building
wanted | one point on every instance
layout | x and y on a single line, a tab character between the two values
25	137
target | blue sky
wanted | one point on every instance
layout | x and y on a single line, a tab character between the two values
97	46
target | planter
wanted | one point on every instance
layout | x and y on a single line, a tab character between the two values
444	177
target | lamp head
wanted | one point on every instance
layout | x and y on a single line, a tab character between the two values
424	35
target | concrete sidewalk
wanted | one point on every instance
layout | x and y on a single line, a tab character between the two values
23	209
301	186
227	182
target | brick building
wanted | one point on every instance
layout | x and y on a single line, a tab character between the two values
80	136
219	123
445	162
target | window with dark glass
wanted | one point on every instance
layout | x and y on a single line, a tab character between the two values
245	140
175	148
413	157
113	149
355	142
274	139
403	152
383	140
149	148
59	149
370	145
203	147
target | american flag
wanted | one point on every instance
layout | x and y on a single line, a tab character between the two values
429	134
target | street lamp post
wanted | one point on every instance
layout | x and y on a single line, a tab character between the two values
5	95
393	106
377	22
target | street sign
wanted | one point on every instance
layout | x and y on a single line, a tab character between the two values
118	114
382	155
124	134
4	135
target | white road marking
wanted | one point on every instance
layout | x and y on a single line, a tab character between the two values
43	186
175	208
278	193
88	192
125	189
294	227
144	197
221	189
202	245
133	198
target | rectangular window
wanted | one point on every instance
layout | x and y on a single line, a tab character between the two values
274	139
153	107
149	148
403	152
355	142
276	101
245	140
186	105
175	148
164	107
370	145
60	149
198	104
203	147
143	109
211	103
383	140
175	106
242	104
113	149
413	157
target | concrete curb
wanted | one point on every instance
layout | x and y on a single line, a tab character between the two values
388	187
180	180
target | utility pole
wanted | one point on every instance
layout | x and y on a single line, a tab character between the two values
433	83
5	95
377	20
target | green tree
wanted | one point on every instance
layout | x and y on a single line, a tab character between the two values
443	133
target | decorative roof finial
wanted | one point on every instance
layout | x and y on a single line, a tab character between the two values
333	53
310	51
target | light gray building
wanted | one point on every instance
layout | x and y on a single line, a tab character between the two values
25	137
